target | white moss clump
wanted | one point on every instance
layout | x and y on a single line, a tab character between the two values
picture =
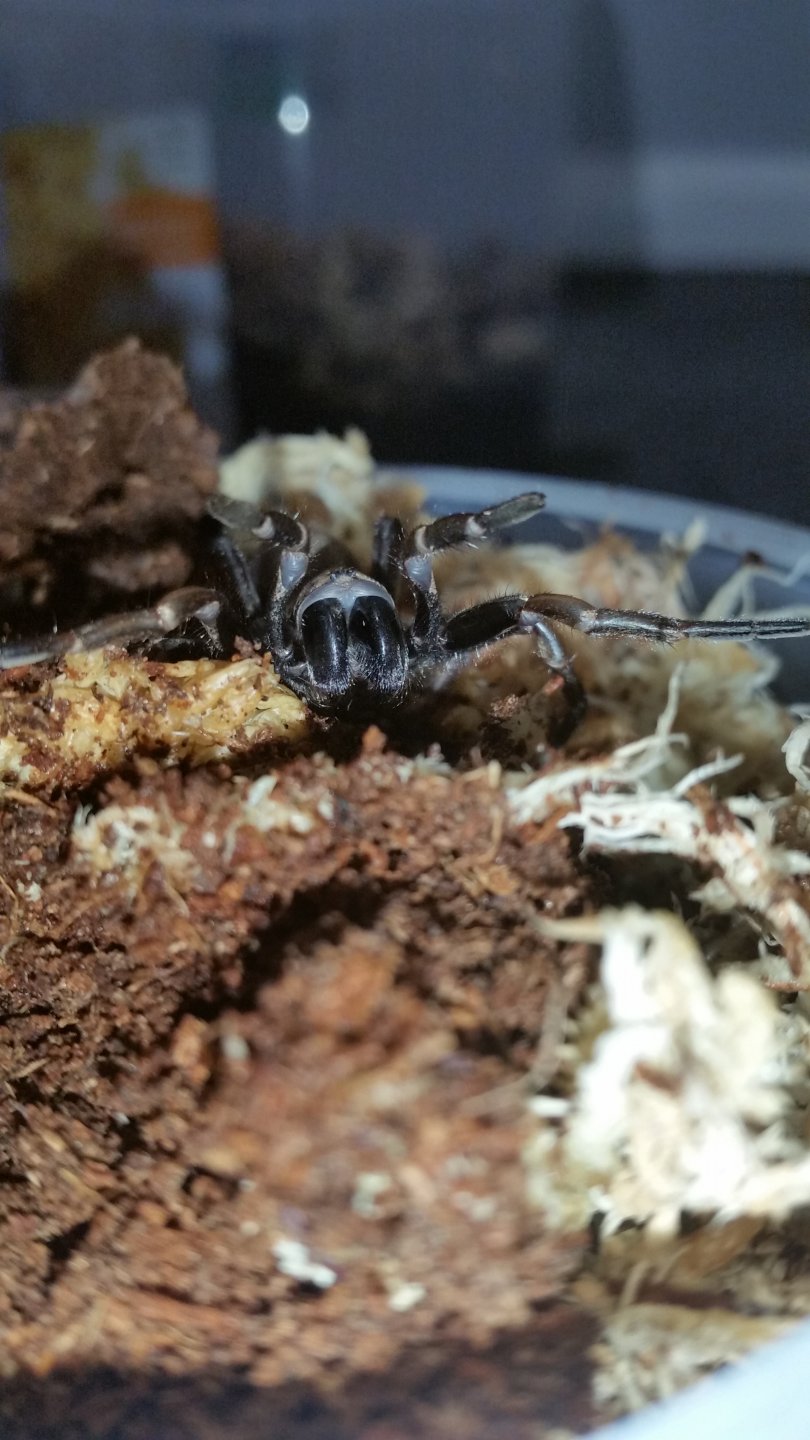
686	1103
338	472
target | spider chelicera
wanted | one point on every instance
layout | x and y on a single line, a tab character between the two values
354	644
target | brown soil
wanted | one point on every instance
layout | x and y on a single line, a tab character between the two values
100	491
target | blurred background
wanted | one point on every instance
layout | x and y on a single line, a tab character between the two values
560	235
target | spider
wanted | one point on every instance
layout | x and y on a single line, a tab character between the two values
353	644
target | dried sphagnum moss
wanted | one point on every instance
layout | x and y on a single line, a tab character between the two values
99	710
682	1086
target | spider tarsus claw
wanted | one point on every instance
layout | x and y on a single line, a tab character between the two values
572	709
510	512
232	513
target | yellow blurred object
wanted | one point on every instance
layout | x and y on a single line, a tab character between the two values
112	230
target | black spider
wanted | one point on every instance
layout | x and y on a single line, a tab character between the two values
353	644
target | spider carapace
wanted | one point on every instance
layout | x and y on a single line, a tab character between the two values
353	644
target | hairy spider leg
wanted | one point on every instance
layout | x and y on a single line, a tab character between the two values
130	628
274	526
239	583
412	553
389	568
645	625
468	528
470	631
272	563
492	620
388	549
481	625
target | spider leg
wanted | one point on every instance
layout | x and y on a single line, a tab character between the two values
260	565
474	629
389	568
481	625
273	525
469	527
412	554
644	625
236	574
387	551
133	627
539	610
493	620
464	528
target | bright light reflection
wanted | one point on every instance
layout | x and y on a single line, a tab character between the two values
293	115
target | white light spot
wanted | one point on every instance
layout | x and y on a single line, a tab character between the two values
294	1259
406	1296
235	1048
293	115
368	1189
